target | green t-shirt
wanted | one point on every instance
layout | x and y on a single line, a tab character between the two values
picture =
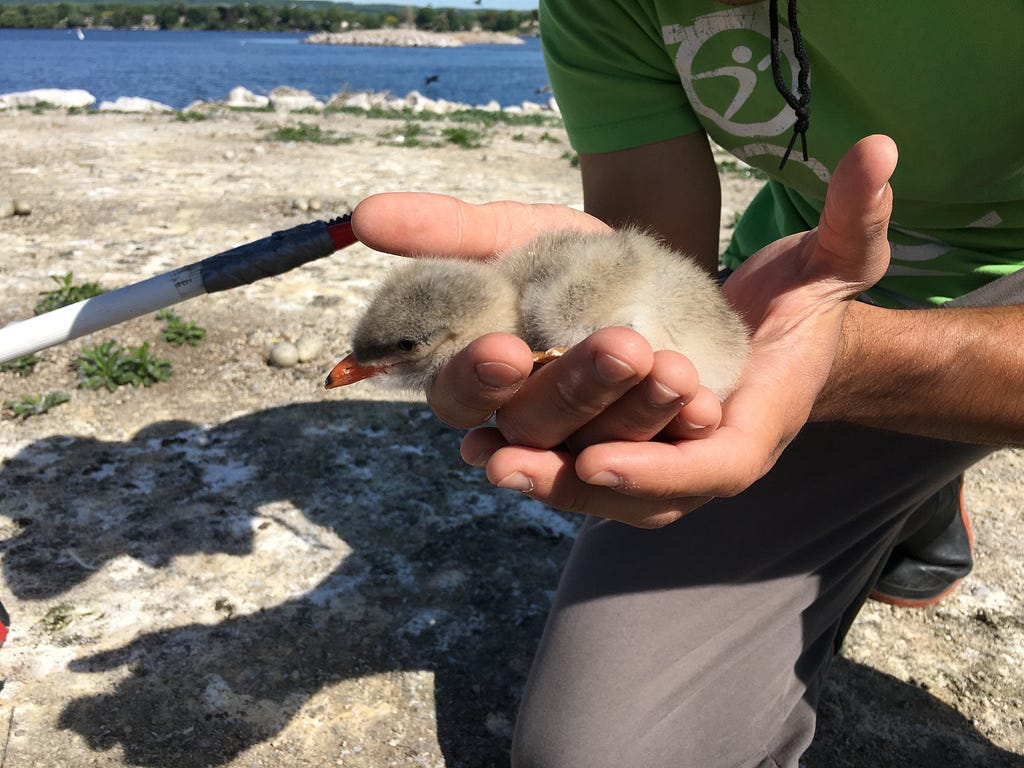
945	79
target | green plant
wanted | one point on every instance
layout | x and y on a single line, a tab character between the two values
178	331
307	132
190	116
23	366
107	365
573	158
409	136
467	138
33	405
65	293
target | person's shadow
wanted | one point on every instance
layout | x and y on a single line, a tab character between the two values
446	574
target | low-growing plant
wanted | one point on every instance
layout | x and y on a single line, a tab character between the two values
467	138
33	405
190	116
573	158
110	366
408	136
23	366
307	132
65	293
179	331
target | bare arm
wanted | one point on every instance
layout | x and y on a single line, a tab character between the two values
671	188
956	374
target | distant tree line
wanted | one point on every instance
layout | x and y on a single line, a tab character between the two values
312	17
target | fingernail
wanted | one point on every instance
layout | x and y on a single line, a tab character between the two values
481	459
517	481
658	394
613	370
695	427
606	478
497	375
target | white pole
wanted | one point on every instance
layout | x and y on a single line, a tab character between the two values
245	264
70	322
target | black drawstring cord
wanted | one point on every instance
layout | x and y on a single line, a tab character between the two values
800	100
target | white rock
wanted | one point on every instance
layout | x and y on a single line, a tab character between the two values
553	106
357	100
241	96
66	99
6	207
134	104
288	99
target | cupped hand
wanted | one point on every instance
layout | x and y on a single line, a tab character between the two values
601	398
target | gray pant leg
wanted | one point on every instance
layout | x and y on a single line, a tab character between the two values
704	644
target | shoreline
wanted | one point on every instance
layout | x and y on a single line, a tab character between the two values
280	98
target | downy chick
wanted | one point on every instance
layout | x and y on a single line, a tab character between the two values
553	292
424	312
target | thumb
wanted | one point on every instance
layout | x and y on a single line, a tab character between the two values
854	224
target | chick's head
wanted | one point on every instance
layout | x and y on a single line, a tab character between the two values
425	312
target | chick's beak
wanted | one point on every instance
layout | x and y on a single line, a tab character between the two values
348	371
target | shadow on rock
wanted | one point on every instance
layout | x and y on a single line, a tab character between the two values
868	719
445	574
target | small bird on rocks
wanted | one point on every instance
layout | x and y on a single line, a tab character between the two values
553	292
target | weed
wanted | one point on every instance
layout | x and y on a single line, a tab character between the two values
107	365
33	405
518	137
409	136
483	117
466	138
307	132
573	158
65	293
548	137
190	116
23	366
178	331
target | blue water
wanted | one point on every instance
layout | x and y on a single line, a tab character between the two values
177	68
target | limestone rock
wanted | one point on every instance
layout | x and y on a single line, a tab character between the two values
242	97
288	99
65	99
134	104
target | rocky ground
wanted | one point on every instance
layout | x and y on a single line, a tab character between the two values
237	568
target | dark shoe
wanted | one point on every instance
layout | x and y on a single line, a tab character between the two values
933	552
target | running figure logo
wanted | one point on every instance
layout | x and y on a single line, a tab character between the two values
738	102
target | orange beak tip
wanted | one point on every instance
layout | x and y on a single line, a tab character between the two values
349	371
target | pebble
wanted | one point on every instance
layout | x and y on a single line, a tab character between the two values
308	348
21	208
284	354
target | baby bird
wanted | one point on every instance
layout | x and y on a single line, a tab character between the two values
553	292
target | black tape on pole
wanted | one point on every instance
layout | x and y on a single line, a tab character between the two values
268	257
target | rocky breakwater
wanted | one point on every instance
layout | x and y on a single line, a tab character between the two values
411	38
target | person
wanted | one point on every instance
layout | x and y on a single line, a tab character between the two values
727	546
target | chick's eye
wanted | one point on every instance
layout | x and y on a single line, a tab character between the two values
407	345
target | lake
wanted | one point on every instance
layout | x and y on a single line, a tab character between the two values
178	67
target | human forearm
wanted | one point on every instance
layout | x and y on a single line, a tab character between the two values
955	374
